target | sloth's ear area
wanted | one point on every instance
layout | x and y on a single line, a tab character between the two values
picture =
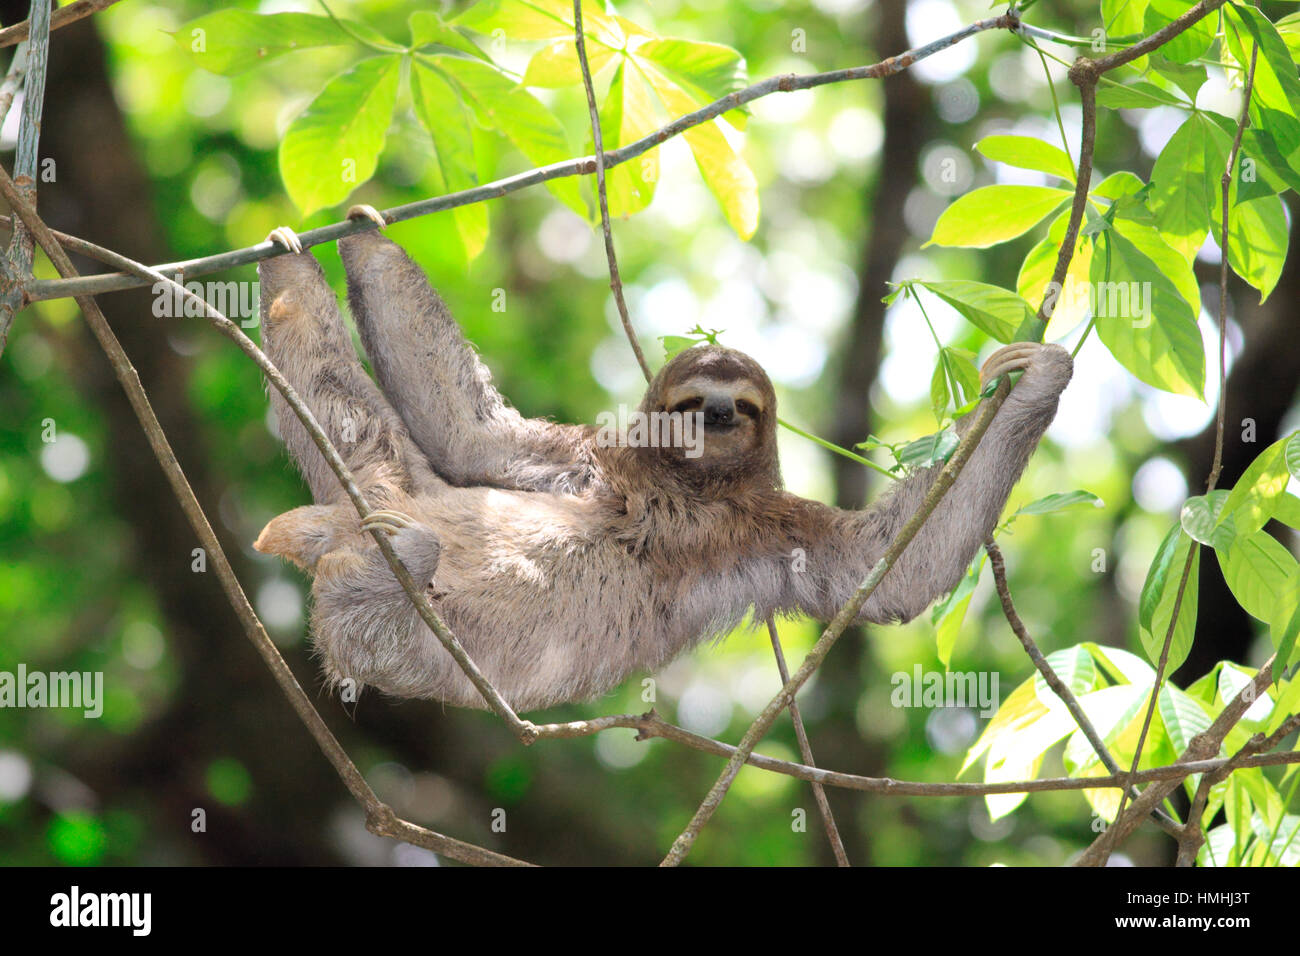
305	534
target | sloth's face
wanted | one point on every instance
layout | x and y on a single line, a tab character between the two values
723	415
721	420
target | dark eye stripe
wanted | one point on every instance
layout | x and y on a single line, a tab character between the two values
746	408
689	405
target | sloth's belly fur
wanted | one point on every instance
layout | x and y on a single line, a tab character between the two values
550	610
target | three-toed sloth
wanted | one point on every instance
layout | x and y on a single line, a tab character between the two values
562	562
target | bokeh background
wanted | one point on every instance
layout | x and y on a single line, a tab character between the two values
163	161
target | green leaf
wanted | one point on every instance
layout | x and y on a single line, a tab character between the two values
928	451
1124	18
450	125
1183	716
1277	87
1288	703
676	344
728	176
541	20
1189	45
707	71
1257	240
334	145
997	312
1061	501
1120	665
627	115
949	613
428	29
1160	592
499	104
1257	492
992	214
1218	847
962	365
1291	454
232	41
1112	711
1069	305
1185	183
1158	576
1285	628
1027	152
939	394
1261	167
1274	102
1146	311
1287	510
1138	95
1200	519
1259	572
556	65
1077	671
1187	77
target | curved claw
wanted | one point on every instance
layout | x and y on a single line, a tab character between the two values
362	211
1010	358
285	237
387	521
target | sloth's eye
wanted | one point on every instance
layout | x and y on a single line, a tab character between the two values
689	405
746	408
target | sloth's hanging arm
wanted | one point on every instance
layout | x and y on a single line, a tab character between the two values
843	546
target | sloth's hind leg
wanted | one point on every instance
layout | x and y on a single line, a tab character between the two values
444	394
304	336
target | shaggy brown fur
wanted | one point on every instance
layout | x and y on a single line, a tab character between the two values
564	566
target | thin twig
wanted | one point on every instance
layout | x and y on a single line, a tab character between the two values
521	728
1159	38
763	722
805	751
616	286
650	726
31	64
1190	841
1203	746
1059	687
615	283
379	817
73	12
1192	837
1193	549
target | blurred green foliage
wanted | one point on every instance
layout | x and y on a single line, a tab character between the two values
73	594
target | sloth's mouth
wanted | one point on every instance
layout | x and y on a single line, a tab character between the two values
721	426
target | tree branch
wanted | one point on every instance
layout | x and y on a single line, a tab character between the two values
73	12
62	288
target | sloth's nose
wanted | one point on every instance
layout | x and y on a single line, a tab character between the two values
719	410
